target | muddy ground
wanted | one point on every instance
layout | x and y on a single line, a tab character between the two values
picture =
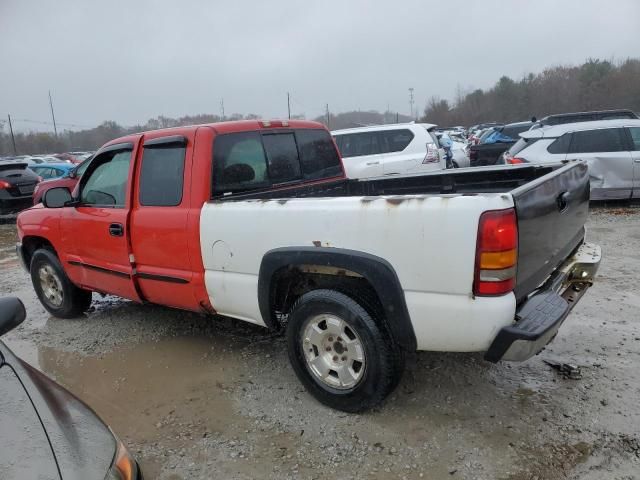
195	397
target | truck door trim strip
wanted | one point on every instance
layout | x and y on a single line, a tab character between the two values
161	278
99	269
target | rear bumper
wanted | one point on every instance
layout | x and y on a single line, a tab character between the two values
539	318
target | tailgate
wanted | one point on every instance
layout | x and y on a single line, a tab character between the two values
551	211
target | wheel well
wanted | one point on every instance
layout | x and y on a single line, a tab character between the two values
290	283
31	244
288	272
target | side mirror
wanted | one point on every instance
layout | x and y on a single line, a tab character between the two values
56	197
12	314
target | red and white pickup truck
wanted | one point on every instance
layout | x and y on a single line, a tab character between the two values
255	220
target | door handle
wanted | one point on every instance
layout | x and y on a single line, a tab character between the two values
373	163
637	160
116	230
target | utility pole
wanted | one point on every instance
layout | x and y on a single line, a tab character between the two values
328	119
55	128
411	100
13	139
222	107
289	105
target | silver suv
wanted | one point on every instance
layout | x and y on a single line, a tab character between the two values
610	147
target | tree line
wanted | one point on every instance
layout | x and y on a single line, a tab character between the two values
594	85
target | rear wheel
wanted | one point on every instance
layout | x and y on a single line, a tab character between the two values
344	358
55	291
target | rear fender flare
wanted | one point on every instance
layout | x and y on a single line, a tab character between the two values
377	271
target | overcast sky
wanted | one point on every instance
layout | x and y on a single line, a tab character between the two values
131	60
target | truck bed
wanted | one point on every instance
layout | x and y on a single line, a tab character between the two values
466	181
551	206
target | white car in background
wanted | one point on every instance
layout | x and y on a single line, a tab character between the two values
610	147
389	150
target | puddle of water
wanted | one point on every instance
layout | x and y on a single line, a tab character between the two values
171	392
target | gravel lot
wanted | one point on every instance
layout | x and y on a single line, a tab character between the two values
196	397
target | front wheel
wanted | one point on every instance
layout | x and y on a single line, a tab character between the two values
344	358
55	291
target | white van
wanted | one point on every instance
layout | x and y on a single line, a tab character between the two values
389	150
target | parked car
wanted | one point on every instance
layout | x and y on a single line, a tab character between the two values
610	147
45	431
255	220
495	142
389	150
17	183
73	157
48	171
561	118
68	180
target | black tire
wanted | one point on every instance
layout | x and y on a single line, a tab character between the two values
383	363
74	300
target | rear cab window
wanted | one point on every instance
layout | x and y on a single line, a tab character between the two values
260	160
162	172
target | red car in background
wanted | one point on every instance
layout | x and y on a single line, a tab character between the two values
73	157
68	180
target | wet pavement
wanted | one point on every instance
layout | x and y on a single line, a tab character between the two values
196	397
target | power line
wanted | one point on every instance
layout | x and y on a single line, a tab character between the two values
42	122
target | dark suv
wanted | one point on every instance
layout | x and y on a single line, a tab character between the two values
17	183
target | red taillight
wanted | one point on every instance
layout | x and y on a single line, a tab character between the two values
515	161
496	253
4	184
473	154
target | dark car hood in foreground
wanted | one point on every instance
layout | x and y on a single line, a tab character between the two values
24	448
83	445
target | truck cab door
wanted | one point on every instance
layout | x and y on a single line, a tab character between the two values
95	231
635	153
164	222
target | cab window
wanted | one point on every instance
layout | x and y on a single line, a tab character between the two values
105	184
162	175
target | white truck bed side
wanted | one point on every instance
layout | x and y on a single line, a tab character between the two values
429	240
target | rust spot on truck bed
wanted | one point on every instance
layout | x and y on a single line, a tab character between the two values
395	200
